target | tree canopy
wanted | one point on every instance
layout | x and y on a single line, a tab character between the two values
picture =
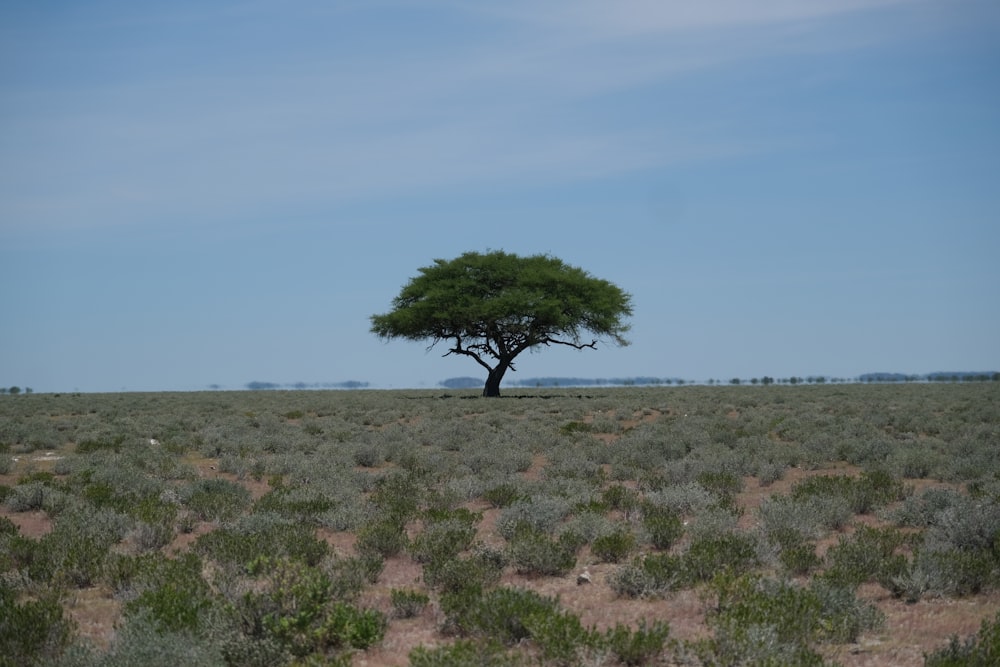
494	306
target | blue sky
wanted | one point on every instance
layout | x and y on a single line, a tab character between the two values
213	193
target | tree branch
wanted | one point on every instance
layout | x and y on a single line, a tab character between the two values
579	346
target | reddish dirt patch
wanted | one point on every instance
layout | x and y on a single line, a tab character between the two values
32	524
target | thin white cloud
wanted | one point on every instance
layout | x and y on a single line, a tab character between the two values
323	127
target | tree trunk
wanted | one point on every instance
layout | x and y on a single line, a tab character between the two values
492	388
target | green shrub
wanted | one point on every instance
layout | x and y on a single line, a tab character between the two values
796	554
381	537
172	594
766	621
979	650
243	542
503	495
639	646
294	605
866	555
809	517
707	556
613	547
873	489
662	526
112	443
501	614
618	497
541	514
408	603
396	497
215	499
533	552
480	570
32	632
649	576
463	653
561	637
298	503
723	485
446	533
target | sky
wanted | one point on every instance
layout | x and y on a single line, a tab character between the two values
205	194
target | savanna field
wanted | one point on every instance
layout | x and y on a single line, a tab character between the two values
838	524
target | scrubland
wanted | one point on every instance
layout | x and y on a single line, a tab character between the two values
757	525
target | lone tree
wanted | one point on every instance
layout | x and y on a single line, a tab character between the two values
494	306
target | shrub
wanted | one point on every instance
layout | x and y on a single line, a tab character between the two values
639	646
796	554
243	542
979	650
765	621
396	497
649	576
463	653
662	526
809	517
446	533
613	547
707	556
293	605
407	603
33	632
216	499
535	553
479	570
501	614
561	637
381	537
873	489
542	514
723	485
618	497
864	556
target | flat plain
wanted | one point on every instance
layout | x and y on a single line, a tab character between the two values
815	524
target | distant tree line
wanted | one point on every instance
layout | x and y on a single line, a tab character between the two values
14	391
349	384
978	376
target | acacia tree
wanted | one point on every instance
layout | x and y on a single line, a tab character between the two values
494	306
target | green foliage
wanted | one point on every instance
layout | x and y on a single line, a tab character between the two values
979	650
541	514
724	485
503	495
113	444
561	637
649	576
240	544
613	547
766	621
535	553
639	646
446	534
408	603
502	613
662	526
463	653
294	606
295	502
866	555
381	537
873	489
496	305
173	594
216	499
707	556
479	570
32	632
